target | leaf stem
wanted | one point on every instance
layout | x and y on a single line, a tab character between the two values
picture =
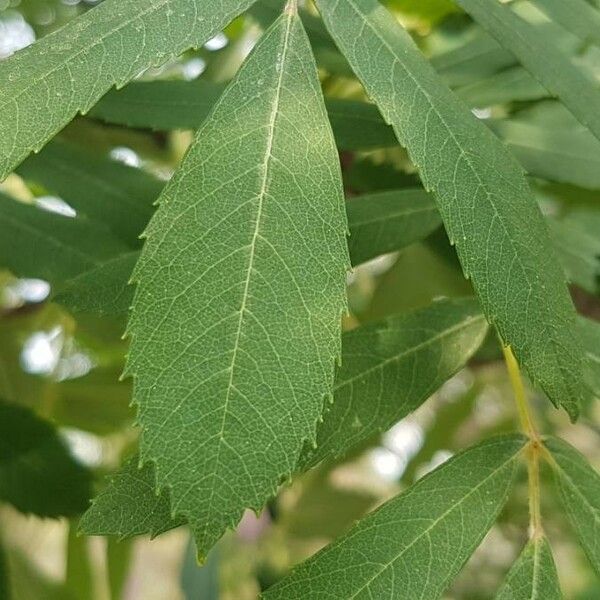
535	443
514	374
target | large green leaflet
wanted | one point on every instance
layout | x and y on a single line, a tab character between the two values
533	576
45	85
538	54
487	207
104	190
432	343
37	473
235	327
38	243
579	486
415	544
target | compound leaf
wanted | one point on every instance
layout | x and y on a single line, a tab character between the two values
533	575
235	326
45	85
483	197
37	473
579	487
417	542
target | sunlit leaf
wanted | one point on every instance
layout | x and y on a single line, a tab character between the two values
45	85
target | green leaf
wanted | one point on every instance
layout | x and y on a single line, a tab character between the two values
159	105
488	210
425	347
45	85
579	250
38	243
533	575
590	334
358	125
480	56
103	190
37	473
130	506
537	52
579	486
561	155
79	577
388	221
165	105
119	558
103	290
511	85
577	16
390	368
417	542
235	326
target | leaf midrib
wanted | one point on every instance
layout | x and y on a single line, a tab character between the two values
450	131
438	520
255	236
447	332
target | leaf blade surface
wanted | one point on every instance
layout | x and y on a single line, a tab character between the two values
67	71
482	196
235	325
417	542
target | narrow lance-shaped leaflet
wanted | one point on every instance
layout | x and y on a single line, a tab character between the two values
483	197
